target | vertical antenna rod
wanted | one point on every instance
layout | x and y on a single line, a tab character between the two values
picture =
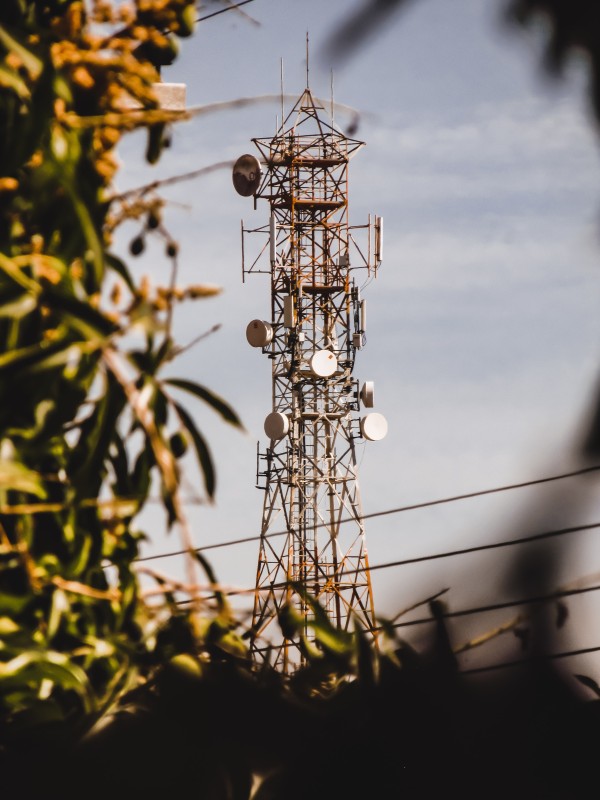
281	82
307	51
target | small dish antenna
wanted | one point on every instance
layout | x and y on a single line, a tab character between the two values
246	175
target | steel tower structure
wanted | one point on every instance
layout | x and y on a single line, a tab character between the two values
312	534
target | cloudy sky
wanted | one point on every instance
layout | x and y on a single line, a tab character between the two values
483	327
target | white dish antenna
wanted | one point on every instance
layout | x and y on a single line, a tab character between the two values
259	333
374	427
276	425
323	363
246	175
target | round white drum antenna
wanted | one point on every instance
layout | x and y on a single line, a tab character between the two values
374	427
259	333
276	425
367	394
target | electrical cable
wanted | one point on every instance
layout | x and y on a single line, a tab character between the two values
522	661
516	662
478	548
496	606
389	512
223	10
449	553
547	598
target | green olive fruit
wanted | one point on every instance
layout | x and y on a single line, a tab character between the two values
178	444
136	247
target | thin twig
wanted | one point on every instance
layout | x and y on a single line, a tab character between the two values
150	187
171	300
486	637
177	351
420	603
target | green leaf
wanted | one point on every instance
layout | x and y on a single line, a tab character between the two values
35	354
290	621
590	683
160	405
16	477
87	465
140	478
18	306
17	275
34	712
8	627
222	605
66	152
332	638
59	605
219	405
34	665
31	62
169	505
10	80
13	603
202	451
41	412
120	464
121	269
87	319
367	661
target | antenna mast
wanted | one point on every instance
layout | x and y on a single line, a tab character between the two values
307	53
308	469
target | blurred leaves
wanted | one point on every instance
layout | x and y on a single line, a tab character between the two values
359	26
87	430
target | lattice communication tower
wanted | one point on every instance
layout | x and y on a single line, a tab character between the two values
312	536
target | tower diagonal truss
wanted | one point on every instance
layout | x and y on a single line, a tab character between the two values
308	470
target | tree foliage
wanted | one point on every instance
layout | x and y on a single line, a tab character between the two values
88	427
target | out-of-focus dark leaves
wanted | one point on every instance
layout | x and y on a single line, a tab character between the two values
590	683
215	402
574	29
522	634
359	27
562	614
202	450
590	444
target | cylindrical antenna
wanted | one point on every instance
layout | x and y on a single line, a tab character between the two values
307	59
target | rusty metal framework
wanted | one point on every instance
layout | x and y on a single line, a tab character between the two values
309	471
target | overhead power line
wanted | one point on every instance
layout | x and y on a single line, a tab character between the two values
449	553
398	510
522	601
531	659
522	661
223	10
493	546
